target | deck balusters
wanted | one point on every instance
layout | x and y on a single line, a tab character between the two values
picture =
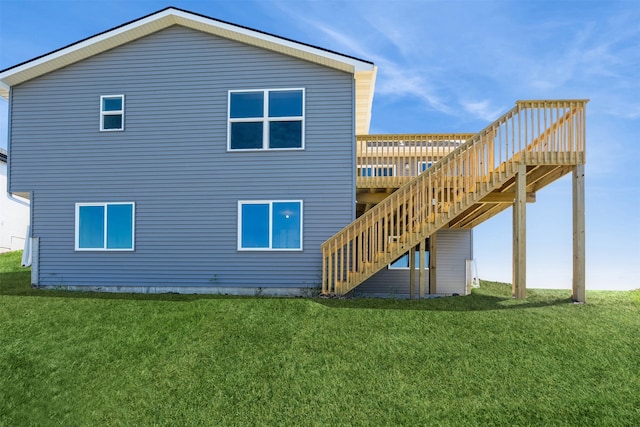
469	168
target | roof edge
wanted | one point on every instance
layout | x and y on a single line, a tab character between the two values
164	18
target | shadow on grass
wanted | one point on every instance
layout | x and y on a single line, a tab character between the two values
477	301
492	297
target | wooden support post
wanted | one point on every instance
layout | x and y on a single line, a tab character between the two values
433	256
520	234
422	271
412	272
579	288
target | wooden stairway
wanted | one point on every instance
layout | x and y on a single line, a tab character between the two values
549	133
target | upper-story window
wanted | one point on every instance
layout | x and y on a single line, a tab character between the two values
111	112
268	119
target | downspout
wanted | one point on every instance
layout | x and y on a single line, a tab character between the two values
26	254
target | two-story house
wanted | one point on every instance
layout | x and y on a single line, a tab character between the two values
180	153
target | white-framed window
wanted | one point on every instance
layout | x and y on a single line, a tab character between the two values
270	225
111	112
423	166
268	119
402	263
105	226
380	170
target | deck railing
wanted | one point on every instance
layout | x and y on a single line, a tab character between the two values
534	132
392	160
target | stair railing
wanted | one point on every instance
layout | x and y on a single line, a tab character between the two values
551	131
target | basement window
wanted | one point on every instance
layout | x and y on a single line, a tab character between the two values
423	166
105	226
270	225
402	263
383	170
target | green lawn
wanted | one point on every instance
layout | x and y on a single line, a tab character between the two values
71	358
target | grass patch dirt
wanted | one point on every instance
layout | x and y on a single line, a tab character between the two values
75	358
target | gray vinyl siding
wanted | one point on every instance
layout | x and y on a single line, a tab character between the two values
454	248
389	283
172	161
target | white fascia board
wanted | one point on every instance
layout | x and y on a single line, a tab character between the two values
86	48
161	20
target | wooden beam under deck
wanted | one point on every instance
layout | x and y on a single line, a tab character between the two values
538	177
506	197
501	199
372	197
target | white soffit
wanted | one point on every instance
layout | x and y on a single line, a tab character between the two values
164	19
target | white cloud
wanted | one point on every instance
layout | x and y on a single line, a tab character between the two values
395	80
482	109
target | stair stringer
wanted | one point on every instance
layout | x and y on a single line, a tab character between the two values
431	200
426	229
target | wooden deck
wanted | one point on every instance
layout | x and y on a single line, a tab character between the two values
410	186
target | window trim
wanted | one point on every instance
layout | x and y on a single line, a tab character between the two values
104	248
391	267
265	120
111	113
270	203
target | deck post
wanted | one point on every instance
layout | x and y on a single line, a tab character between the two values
421	274
412	272
433	256
519	286
579	288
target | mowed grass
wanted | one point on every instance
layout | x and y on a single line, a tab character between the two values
72	358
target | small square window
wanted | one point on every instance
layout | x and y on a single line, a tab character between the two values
285	103
112	112
247	105
246	135
285	134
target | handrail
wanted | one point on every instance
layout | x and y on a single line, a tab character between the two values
391	160
551	131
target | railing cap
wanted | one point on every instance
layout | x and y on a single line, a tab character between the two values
537	102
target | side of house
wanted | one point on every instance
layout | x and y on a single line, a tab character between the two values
178	153
143	171
454	251
14	214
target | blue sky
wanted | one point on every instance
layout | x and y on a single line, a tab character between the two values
450	66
